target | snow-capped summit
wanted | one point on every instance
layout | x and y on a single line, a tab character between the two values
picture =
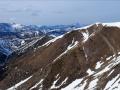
113	24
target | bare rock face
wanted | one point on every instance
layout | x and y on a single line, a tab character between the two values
84	59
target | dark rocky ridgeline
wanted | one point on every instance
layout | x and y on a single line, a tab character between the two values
3	58
83	59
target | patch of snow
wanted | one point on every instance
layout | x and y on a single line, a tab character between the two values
81	87
92	84
109	58
24	47
53	40
54	86
22	42
119	53
102	71
90	72
18	84
53	36
85	53
85	27
110	72
57	76
98	65
113	84
115	61
72	85
60	56
16	26
112	63
112	24
22	34
36	33
116	24
85	35
37	84
72	45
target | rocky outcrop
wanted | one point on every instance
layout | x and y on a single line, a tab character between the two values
84	59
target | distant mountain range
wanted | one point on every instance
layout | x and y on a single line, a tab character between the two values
23	30
86	58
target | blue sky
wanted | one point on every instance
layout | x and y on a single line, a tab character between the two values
51	12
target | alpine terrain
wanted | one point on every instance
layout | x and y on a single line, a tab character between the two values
86	58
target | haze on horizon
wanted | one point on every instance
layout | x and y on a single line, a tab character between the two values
52	12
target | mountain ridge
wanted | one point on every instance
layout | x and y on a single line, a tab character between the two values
83	59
